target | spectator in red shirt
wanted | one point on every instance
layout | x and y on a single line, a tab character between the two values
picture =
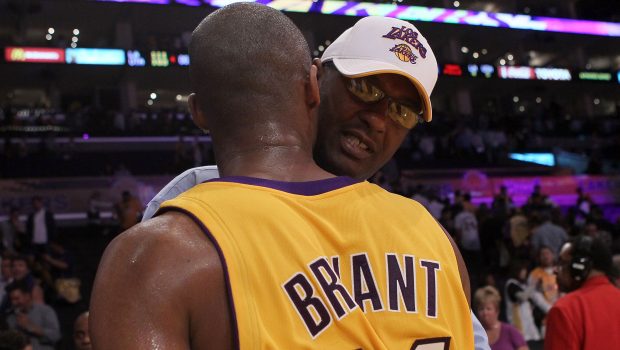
588	317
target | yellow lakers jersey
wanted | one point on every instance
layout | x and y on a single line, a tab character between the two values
331	264
546	282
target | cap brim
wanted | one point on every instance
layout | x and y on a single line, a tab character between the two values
355	68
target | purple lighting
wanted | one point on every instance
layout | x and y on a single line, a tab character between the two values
190	2
85	137
422	14
156	2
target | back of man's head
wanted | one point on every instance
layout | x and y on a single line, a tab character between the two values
21	286
545	216
597	251
246	59
581	258
81	332
13	340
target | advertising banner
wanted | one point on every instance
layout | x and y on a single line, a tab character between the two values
34	54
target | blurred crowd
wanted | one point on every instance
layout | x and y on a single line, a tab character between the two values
44	286
79	119
452	141
52	158
511	251
486	140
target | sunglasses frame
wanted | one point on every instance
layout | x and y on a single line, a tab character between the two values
391	101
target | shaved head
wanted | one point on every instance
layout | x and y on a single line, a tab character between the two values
246	58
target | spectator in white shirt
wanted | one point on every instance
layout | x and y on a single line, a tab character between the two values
40	226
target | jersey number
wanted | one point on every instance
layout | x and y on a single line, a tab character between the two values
431	344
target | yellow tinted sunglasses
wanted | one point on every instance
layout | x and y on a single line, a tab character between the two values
407	115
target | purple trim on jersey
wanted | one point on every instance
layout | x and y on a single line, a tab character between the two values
308	188
220	253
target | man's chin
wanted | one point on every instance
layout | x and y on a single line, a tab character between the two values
356	173
566	289
341	164
345	166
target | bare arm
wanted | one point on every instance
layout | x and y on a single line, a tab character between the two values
462	267
156	285
481	340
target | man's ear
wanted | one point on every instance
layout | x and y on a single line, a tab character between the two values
198	116
313	97
320	69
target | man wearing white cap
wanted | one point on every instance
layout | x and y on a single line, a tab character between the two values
381	66
380	303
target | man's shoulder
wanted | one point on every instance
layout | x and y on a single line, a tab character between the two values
566	308
170	266
401	202
556	227
198	174
181	183
391	197
186	180
169	230
398	199
168	251
571	299
43	309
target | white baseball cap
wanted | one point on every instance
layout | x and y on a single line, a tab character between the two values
378	45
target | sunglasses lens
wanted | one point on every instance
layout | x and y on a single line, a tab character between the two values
366	92
403	115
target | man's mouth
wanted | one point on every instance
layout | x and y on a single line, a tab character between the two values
355	142
355	147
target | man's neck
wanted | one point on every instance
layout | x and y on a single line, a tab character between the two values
26	308
595	273
281	163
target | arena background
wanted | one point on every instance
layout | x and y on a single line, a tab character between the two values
93	102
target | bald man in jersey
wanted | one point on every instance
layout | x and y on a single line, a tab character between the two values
277	252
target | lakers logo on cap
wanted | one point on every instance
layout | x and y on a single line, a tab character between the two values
409	36
404	53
